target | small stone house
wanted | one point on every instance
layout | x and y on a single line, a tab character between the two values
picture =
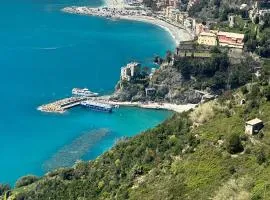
253	126
150	91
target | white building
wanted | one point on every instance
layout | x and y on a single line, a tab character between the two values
253	126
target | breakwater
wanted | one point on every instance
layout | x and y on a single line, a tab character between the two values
61	105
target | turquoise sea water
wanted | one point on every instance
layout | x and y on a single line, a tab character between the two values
44	53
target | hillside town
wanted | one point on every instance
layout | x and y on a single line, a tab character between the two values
230	33
216	79
176	16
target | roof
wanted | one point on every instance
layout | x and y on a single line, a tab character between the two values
254	121
232	35
150	88
207	34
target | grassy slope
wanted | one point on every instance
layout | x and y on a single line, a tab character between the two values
172	161
206	172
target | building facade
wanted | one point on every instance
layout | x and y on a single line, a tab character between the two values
253	126
199	28
234	40
209	39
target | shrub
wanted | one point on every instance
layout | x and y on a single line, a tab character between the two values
232	170
4	188
26	180
266	93
248	151
203	113
234	144
244	90
261	157
66	174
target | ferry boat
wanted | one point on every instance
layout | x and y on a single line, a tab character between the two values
83	92
97	106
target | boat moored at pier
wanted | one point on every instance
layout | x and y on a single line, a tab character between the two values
96	106
84	92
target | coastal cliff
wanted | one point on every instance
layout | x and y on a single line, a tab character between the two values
185	79
167	85
203	153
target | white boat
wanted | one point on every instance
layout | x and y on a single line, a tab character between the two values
97	106
83	92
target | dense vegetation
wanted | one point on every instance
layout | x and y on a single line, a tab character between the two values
179	77
257	37
216	72
201	154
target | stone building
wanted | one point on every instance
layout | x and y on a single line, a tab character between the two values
209	39
228	39
199	28
253	126
130	71
150	91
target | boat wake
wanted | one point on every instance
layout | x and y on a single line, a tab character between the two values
54	48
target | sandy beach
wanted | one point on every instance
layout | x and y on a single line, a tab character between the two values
158	106
178	34
116	10
146	105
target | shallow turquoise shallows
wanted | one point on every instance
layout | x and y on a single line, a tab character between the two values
44	53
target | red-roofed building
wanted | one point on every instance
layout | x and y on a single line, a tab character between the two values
234	40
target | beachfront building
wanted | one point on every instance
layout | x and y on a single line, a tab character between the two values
180	17
176	16
207	38
168	11
228	39
190	24
173	3
130	71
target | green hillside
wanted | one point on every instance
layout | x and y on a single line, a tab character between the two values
203	154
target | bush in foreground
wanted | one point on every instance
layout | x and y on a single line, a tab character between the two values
234	144
4	188
26	180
